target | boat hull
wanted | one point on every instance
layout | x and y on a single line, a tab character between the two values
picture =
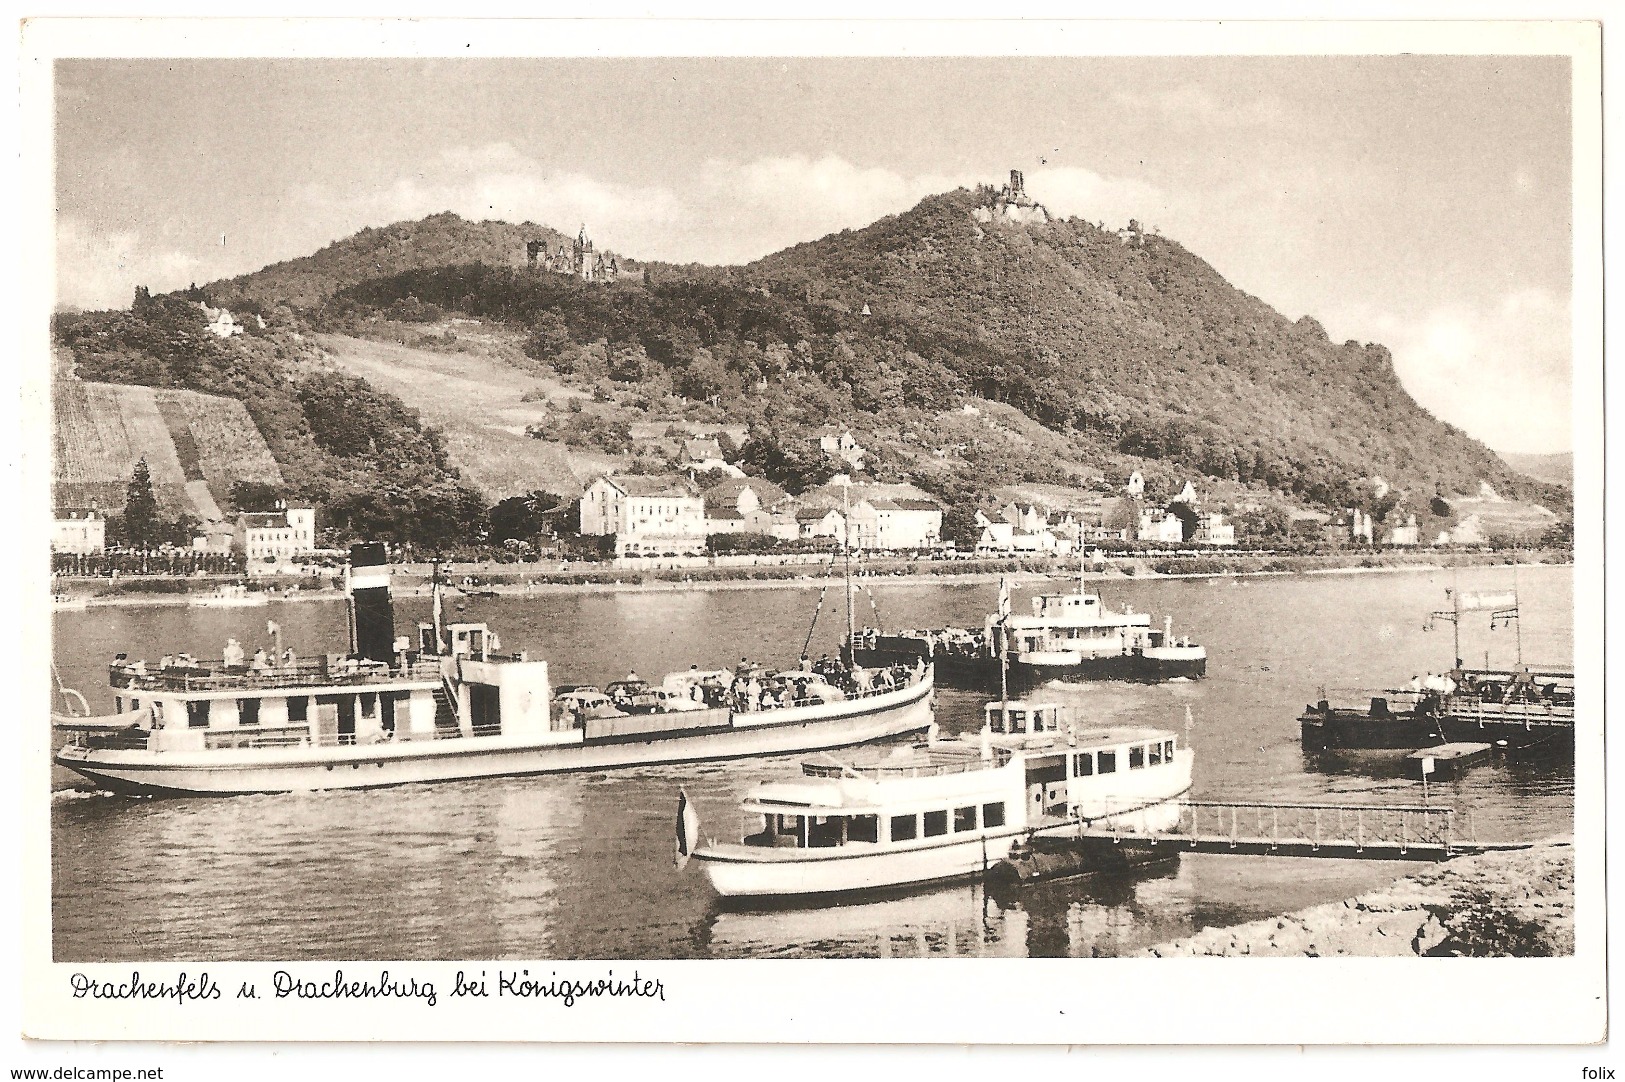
736	871
1357	730
981	673
275	770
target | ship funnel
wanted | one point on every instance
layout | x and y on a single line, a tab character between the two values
374	613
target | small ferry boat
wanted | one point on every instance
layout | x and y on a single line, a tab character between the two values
67	603
447	706
945	809
1068	636
231	596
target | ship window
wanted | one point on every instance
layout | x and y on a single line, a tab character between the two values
1108	762
369	705
964	818
1167	751
158	711
905	828
823	831
1083	765
248	711
993	814
863	828
996	722
1155	758
1136	757
936	822
197	714
299	708
118	703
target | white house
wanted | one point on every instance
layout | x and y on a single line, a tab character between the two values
884	522
267	540
750	505
842	444
1212	529
648	515
78	531
821	522
1408	534
1160	527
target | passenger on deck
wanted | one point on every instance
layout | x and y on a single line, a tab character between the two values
287	658
860	678
260	663
232	656
165	662
806	663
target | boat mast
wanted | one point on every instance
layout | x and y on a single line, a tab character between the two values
846	551
1004	655
349	609
1517	621
439	633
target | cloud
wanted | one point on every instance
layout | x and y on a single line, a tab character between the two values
1069	191
1501	372
494	181
100	268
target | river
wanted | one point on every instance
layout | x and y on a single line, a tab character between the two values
580	866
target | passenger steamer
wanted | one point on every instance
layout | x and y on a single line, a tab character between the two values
948	809
446	707
1068	637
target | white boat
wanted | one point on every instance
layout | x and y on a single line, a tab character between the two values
446	707
947	809
231	596
67	603
1071	636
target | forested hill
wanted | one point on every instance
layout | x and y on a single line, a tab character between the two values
1123	347
1131	337
375	253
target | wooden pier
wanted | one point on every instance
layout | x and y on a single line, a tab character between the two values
1343	831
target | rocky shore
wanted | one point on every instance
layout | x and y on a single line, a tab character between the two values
1518	903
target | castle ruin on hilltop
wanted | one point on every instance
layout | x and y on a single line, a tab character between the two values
581	259
1011	203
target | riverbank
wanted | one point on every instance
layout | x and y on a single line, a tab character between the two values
1518	903
506	581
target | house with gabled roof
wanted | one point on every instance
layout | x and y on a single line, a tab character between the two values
649	515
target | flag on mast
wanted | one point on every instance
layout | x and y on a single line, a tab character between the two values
688	829
1004	598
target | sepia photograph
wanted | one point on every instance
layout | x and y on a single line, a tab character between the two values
995	511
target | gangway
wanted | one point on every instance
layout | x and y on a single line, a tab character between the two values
1347	831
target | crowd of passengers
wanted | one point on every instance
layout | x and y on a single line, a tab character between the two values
750	687
1520	687
949	640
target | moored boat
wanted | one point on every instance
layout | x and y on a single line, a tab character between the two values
945	809
1526	707
1067	636
231	596
446	706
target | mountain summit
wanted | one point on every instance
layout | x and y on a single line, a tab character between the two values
1107	348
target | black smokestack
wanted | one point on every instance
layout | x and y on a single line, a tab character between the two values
369	594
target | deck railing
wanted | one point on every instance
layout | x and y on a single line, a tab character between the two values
216	676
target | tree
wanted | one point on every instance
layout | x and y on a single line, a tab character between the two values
254	496
141	525
520	518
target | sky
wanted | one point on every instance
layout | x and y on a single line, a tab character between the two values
1420	202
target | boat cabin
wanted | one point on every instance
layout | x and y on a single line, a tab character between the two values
462	690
